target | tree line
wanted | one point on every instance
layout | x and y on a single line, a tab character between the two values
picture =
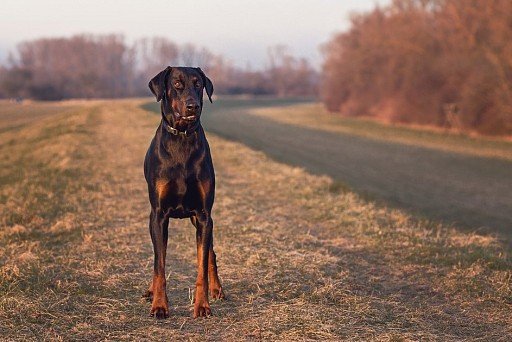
105	66
434	62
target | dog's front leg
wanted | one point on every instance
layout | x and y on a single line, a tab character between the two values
159	233
204	240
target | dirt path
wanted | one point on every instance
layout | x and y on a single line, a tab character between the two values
299	259
474	192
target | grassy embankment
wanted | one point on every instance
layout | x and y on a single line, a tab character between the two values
314	115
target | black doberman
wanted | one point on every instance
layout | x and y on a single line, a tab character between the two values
181	182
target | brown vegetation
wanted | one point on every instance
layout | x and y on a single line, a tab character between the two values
435	62
88	66
314	262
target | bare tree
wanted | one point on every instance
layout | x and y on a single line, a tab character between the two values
87	66
290	76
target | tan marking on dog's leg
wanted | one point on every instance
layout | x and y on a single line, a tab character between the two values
201	304
204	186
149	293
160	304
161	187
216	291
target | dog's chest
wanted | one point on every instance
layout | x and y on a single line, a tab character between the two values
178	192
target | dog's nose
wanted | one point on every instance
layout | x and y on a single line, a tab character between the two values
192	107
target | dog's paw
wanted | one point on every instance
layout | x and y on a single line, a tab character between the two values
217	293
159	313
160	307
202	309
148	295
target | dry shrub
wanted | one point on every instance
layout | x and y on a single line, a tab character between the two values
408	61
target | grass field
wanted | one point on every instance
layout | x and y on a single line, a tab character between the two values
314	115
300	257
433	175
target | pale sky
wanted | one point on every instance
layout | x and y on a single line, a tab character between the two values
239	30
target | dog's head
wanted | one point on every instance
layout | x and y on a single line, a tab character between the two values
181	91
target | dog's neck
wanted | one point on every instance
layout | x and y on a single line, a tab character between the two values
166	125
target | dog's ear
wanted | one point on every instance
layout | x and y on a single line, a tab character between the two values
157	83
208	85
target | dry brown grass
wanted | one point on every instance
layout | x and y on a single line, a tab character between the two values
300	259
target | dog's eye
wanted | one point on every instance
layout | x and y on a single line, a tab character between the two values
198	85
177	84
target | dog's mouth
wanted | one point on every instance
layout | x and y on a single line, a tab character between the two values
189	118
186	118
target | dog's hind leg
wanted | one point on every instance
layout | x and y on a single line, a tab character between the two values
149	292
216	291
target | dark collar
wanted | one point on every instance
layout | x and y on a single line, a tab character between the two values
175	131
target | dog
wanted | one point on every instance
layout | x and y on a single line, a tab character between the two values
181	182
